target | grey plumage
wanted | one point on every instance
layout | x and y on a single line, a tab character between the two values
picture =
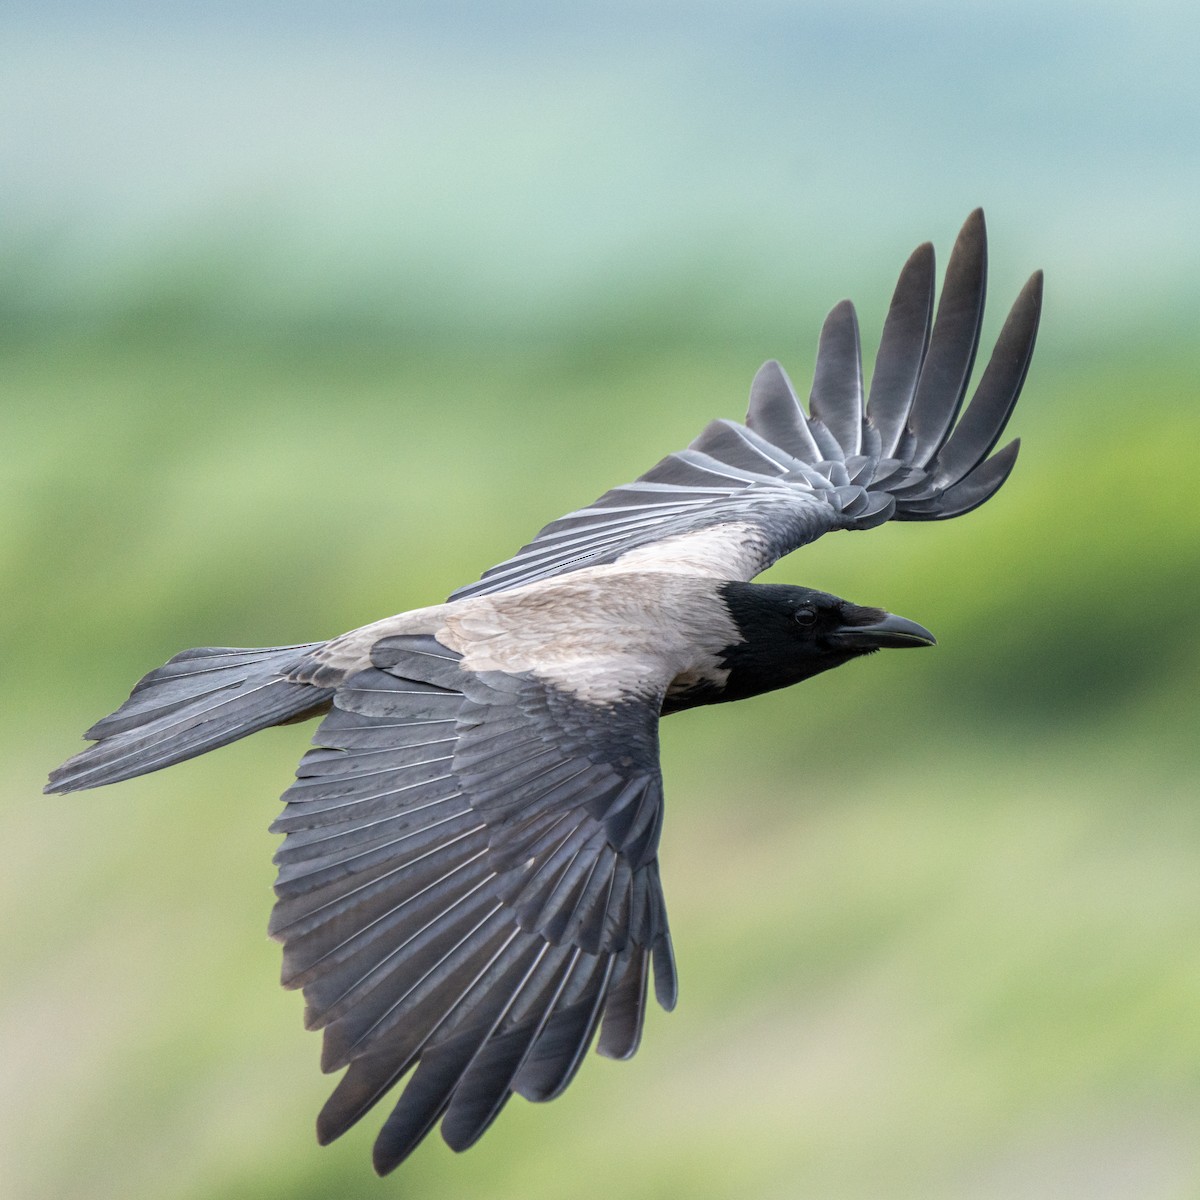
479	936
996	396
200	700
468	888
836	399
946	369
902	350
840	467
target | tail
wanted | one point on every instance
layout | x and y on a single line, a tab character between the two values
201	699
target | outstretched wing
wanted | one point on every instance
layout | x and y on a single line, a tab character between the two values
742	496
468	889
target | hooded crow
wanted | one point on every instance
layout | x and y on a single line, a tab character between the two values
468	888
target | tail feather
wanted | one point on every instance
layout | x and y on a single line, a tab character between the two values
198	701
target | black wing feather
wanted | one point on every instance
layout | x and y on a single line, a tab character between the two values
836	397
996	396
946	369
467	887
775	413
902	349
792	477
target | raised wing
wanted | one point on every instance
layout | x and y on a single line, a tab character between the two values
468	889
742	496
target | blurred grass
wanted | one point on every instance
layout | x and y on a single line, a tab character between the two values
936	915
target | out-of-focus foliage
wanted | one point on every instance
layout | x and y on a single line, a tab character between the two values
937	915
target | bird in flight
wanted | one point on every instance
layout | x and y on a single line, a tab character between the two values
468	889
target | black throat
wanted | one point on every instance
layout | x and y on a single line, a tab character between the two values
774	651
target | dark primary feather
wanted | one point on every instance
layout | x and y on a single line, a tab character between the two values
836	397
996	396
946	368
467	888
902	349
794	476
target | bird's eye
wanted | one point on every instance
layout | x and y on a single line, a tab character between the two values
806	616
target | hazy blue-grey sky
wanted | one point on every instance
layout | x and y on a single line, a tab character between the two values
519	155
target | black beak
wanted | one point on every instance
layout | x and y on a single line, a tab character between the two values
892	632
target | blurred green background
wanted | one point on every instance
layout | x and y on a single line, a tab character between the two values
311	312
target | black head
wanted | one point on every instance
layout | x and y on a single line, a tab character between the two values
793	633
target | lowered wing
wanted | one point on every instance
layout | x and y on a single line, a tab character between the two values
742	496
468	890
